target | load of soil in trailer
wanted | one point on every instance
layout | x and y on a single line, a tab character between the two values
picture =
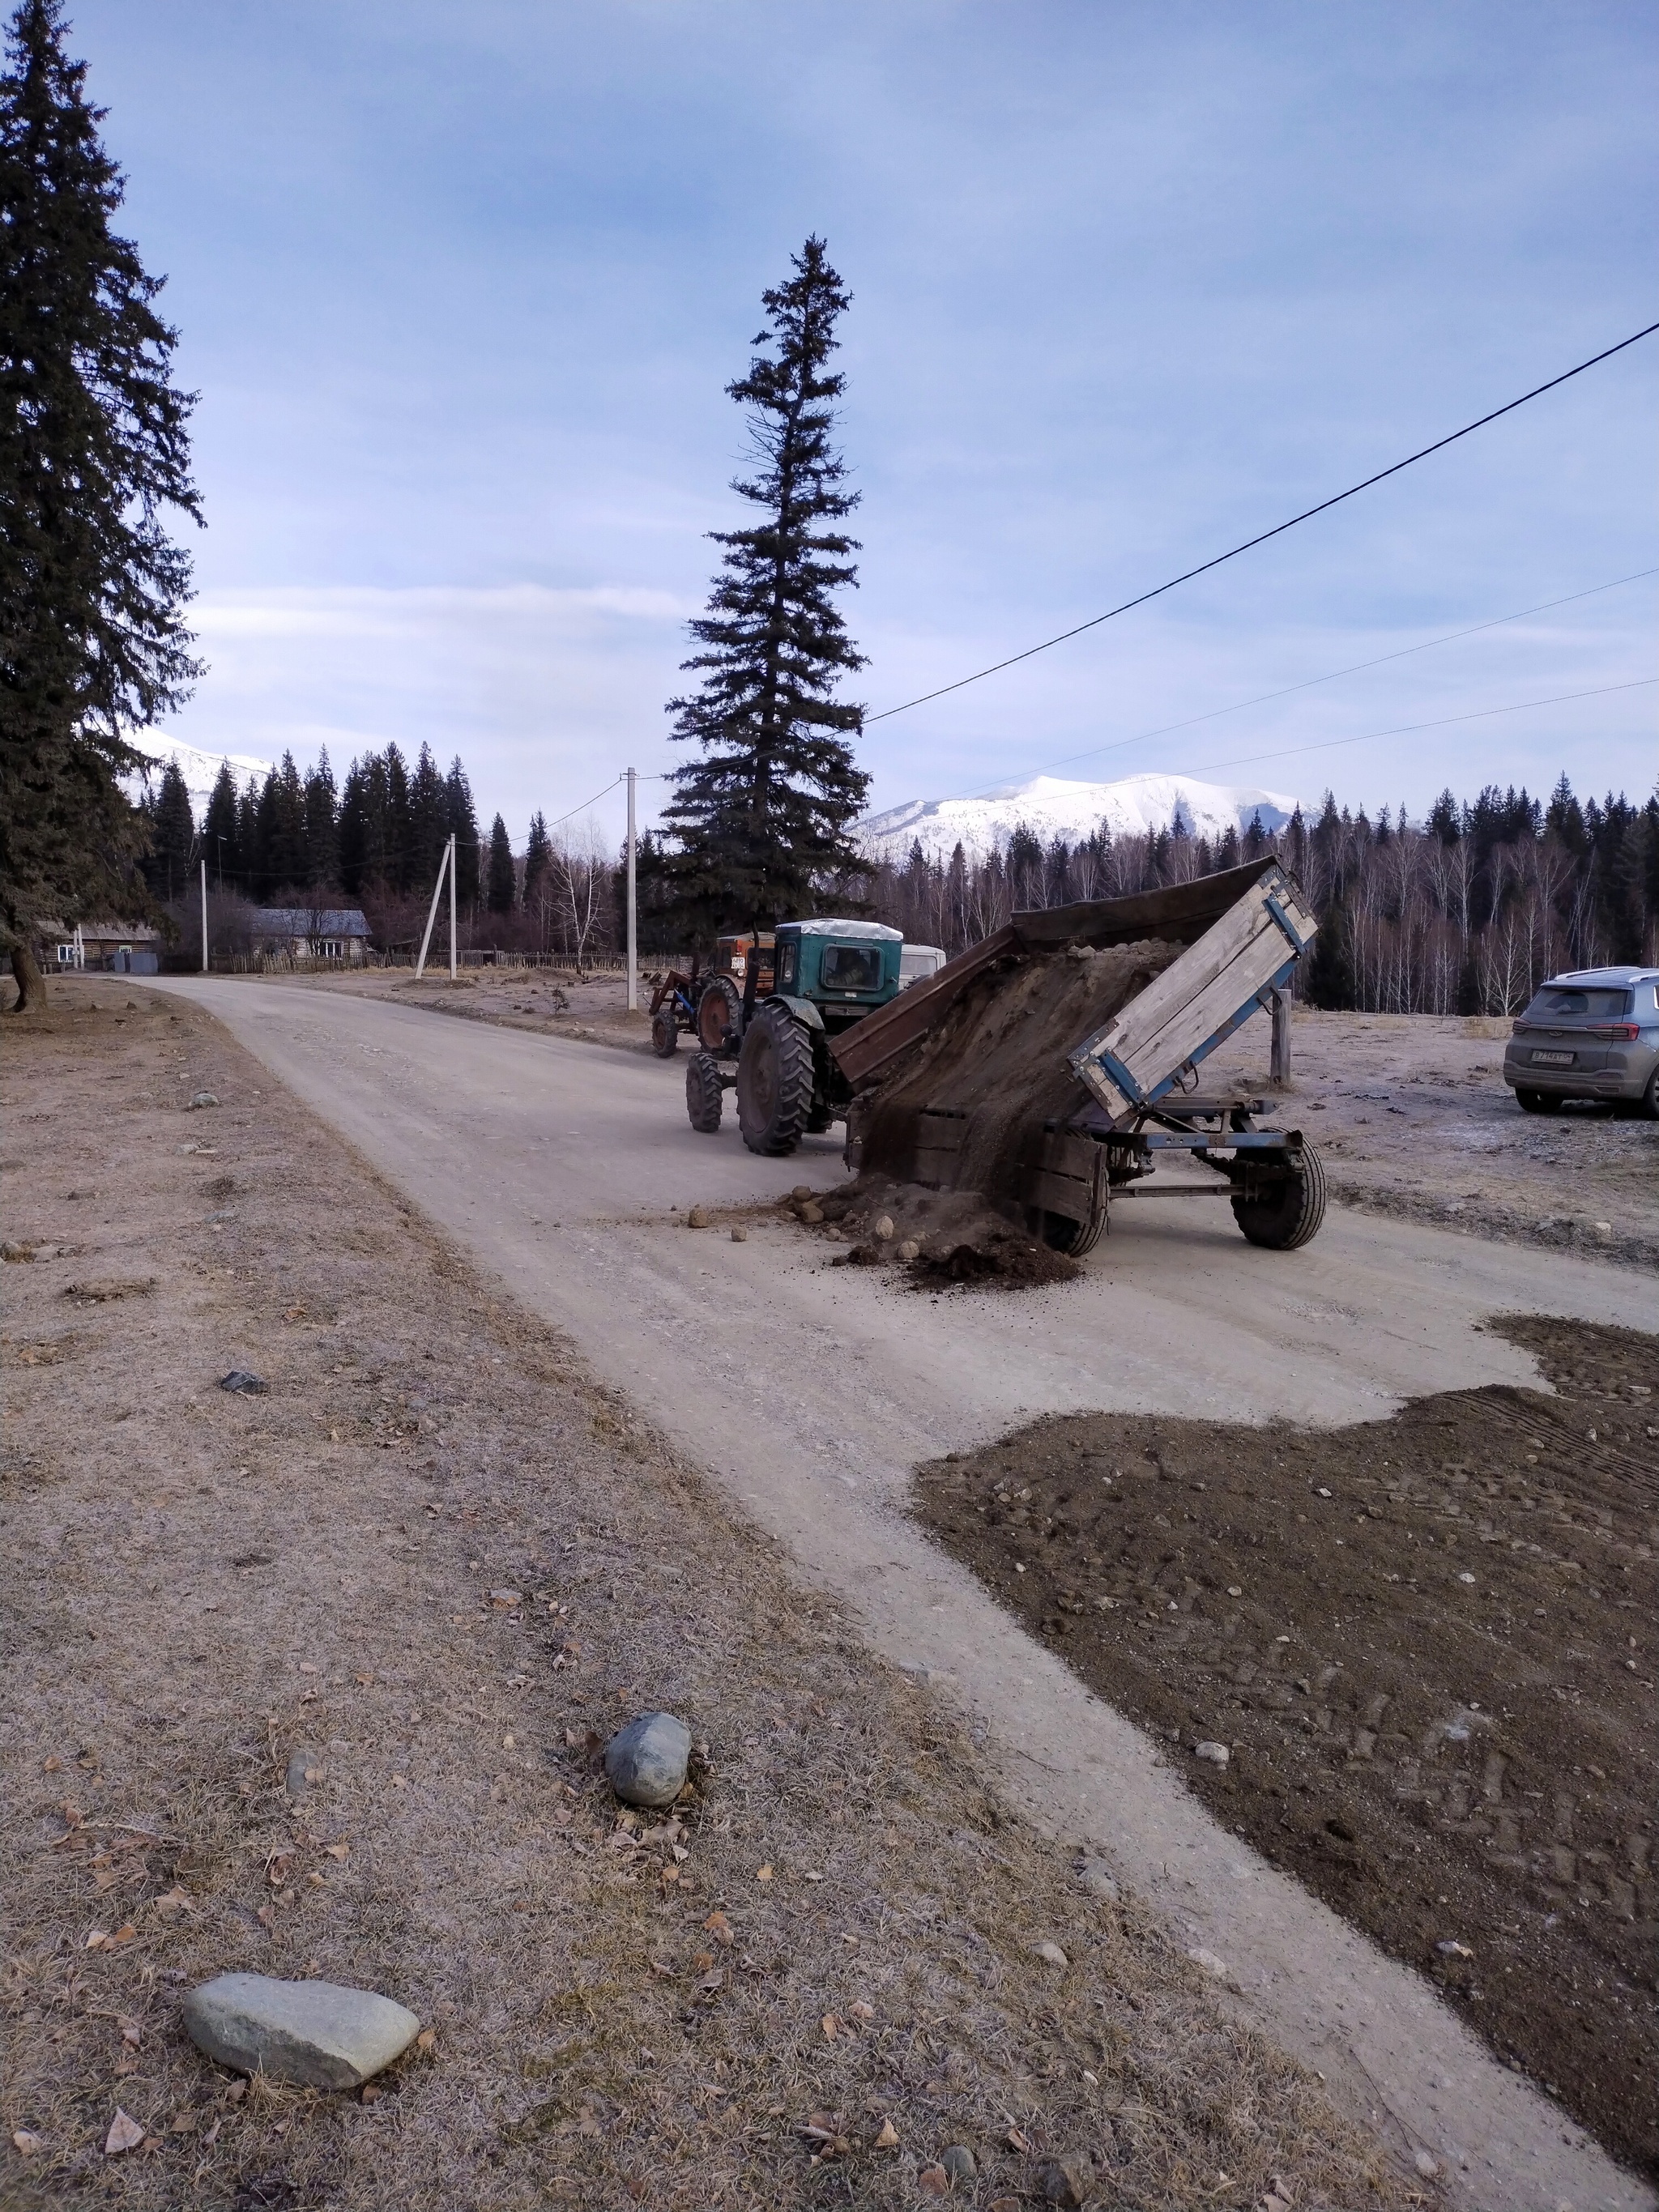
1050	1068
964	1104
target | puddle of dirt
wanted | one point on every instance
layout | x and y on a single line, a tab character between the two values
1427	1644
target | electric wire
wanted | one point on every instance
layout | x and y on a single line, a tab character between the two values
1169	729
1409	729
1262	536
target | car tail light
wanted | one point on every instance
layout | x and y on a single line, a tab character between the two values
1618	1032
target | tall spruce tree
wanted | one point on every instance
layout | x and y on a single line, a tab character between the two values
93	448
172	835
503	885
538	864
763	815
220	837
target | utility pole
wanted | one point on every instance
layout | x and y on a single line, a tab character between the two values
204	943
633	907
447	861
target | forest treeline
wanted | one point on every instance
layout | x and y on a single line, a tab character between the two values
1462	913
1465	913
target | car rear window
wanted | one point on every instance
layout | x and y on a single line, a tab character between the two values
1553	1004
852	968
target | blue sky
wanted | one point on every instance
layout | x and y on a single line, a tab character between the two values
461	287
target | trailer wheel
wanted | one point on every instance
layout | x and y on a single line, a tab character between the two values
774	1081
664	1031
1288	1213
720	1014
703	1098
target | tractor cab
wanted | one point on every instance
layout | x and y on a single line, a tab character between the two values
844	969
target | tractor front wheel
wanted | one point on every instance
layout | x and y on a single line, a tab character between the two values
1286	1212
703	1100
666	1030
774	1081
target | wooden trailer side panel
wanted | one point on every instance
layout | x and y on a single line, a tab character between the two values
1197	999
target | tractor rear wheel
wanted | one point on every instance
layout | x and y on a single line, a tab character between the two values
1287	1213
719	1015
774	1081
703	1097
665	1031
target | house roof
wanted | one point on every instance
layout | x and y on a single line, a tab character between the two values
127	932
309	921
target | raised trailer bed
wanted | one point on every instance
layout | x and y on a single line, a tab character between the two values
968	1082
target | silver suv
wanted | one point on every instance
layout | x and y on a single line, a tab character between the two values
1591	1034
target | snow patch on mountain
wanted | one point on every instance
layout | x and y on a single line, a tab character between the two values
200	770
1051	806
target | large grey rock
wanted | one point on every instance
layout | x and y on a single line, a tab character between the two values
316	2035
647	1760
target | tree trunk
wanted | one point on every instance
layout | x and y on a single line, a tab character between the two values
31	983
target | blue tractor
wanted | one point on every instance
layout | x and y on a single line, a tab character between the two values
775	1054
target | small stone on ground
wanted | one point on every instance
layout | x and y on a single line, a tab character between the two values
316	2035
647	1760
244	1384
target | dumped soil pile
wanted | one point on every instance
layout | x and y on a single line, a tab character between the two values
941	1240
1425	1649
998	1061
436	1559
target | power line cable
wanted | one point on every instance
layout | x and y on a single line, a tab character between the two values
1168	729
1409	729
1262	536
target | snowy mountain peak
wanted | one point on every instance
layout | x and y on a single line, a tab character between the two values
1053	806
200	770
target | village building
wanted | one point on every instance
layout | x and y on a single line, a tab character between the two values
305	933
126	948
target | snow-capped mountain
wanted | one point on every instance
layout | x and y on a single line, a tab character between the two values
1053	807
200	770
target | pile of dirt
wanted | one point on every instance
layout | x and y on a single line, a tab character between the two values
940	1240
1424	1649
998	1061
435	1555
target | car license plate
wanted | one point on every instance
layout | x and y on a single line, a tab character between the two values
1551	1060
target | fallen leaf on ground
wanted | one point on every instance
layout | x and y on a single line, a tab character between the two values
426	2039
933	2181
831	2026
24	2140
124	2134
764	1874
338	1851
719	1928
887	2139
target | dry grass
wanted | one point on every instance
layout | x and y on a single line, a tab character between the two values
202	1584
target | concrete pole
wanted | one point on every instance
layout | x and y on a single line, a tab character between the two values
204	943
452	909
633	907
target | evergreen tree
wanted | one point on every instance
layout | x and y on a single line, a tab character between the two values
219	831
428	820
171	837
1327	979
322	826
247	836
464	828
766	810
538	864
503	894
279	864
94	447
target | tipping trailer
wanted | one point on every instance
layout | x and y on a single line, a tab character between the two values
965	1082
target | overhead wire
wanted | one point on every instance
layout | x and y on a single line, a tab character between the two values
1409	729
1261	699
1262	536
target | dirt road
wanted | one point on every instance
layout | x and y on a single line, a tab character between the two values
310	1680
561	1167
